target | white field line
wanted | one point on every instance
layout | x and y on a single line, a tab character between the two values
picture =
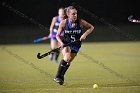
60	89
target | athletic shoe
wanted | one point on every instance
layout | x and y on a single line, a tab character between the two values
59	80
56	61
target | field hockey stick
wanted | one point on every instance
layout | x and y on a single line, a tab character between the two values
39	56
43	38
130	18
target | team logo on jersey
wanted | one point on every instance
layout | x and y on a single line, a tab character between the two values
73	31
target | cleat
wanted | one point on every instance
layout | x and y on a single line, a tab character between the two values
56	61
59	80
61	83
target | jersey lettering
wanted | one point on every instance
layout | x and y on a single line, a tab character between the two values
73	31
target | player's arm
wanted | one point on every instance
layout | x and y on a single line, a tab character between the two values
88	26
61	26
52	25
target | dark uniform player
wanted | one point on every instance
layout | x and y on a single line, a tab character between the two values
72	28
53	31
72	34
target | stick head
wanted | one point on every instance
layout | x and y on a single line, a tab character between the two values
38	56
130	18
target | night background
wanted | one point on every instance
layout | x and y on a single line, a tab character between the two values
109	57
29	20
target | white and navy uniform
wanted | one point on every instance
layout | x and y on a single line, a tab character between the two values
71	34
55	28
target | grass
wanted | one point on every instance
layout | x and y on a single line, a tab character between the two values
114	66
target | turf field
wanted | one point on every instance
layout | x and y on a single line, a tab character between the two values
114	66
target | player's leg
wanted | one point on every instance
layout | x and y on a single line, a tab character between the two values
53	44
69	59
57	53
64	65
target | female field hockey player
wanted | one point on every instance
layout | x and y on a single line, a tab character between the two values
72	30
53	31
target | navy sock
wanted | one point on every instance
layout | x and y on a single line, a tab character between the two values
63	66
57	53
65	69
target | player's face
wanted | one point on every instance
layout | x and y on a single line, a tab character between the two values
61	13
73	14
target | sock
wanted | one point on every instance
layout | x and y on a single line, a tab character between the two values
51	56
57	54
65	69
62	69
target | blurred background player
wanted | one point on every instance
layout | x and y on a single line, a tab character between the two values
72	29
53	31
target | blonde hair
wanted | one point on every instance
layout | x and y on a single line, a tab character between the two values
67	9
